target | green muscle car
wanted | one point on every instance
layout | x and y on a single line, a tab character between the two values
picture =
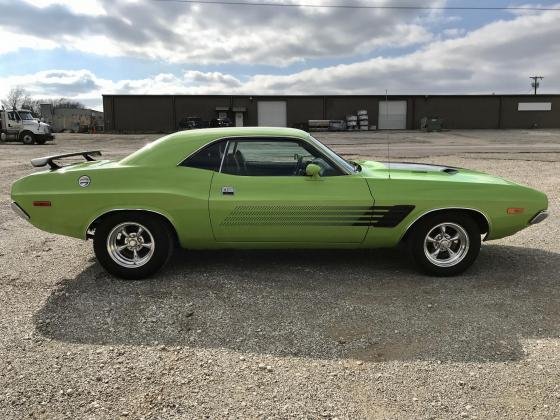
268	188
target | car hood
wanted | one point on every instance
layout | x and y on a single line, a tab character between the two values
428	172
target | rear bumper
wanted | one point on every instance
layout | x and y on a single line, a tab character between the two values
19	211
539	217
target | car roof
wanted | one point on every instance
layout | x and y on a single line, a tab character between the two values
242	131
177	146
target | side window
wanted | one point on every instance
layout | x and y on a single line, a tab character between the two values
208	158
273	158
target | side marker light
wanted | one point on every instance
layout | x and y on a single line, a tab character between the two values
41	204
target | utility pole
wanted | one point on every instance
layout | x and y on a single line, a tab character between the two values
536	82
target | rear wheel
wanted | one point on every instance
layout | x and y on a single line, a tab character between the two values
445	244
27	137
132	246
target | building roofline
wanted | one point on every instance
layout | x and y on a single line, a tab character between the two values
451	95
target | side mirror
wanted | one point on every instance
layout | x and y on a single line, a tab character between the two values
313	170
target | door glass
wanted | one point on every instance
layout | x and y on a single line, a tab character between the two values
272	158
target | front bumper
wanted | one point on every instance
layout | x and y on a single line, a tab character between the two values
47	136
539	217
19	211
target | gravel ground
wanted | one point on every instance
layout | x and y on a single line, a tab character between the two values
287	334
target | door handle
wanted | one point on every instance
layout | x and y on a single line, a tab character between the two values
228	191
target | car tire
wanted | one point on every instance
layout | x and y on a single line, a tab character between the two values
27	137
133	245
445	244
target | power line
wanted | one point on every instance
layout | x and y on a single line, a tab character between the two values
357	6
536	84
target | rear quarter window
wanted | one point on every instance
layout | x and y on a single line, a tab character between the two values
208	158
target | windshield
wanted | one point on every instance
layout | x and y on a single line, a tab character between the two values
25	115
343	163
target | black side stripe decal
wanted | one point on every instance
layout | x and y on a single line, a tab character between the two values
378	216
393	216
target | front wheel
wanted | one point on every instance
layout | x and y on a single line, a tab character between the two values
445	244
132	246
28	138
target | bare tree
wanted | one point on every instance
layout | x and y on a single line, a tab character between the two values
16	97
60	103
67	103
33	105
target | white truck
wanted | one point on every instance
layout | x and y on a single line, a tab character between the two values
21	126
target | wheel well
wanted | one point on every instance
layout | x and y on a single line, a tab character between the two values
477	216
24	132
90	231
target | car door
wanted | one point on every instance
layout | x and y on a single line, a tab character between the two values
261	194
15	125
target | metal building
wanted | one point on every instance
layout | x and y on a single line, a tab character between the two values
74	120
162	113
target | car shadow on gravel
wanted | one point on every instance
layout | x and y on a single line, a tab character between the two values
319	304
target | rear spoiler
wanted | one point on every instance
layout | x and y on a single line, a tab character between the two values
50	160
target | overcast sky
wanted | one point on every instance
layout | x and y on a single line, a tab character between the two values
81	49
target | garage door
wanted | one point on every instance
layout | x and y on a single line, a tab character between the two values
272	113
392	115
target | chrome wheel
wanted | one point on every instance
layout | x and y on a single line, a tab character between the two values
130	244
446	244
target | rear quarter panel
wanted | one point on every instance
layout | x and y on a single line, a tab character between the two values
178	193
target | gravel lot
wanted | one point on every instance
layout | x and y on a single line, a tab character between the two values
287	334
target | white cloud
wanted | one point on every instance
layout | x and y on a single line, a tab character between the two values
86	87
209	34
88	7
498	57
12	42
453	32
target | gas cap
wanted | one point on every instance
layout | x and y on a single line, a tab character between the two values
84	181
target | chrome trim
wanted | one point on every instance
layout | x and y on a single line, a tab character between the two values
442	243
19	211
139	251
449	208
343	170
84	181
223	157
88	228
228	191
539	217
